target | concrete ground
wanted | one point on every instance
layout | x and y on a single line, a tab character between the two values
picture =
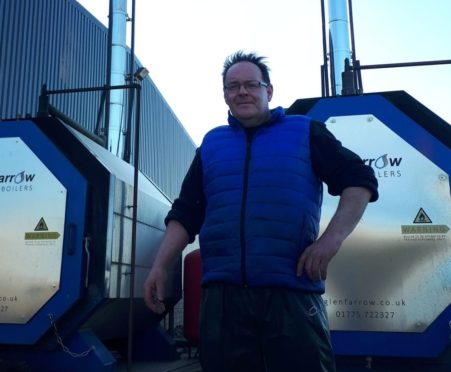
186	363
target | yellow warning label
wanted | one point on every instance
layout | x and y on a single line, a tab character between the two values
41	226
422	217
430	229
41	232
42	235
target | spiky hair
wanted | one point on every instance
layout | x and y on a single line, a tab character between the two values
241	56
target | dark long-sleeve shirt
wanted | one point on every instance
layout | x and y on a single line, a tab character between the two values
335	165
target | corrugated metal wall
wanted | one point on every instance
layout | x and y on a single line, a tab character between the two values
59	43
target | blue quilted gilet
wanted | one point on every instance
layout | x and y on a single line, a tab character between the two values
263	203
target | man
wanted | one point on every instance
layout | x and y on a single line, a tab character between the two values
253	193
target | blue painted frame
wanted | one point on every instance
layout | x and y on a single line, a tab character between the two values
72	270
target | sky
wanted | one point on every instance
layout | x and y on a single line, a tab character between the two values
183	44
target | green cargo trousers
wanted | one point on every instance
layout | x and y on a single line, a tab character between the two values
263	330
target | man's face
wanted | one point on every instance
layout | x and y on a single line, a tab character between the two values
249	106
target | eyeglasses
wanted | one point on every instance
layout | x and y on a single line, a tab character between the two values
249	86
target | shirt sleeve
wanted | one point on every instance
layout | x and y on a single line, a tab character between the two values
189	208
338	166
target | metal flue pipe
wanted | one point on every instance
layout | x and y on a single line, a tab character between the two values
339	41
118	74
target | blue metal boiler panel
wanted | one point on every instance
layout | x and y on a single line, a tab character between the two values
388	290
43	199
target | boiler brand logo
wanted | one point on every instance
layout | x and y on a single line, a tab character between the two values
17	178
383	161
16	182
384	166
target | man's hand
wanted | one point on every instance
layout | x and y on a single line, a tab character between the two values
154	289
174	240
315	259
